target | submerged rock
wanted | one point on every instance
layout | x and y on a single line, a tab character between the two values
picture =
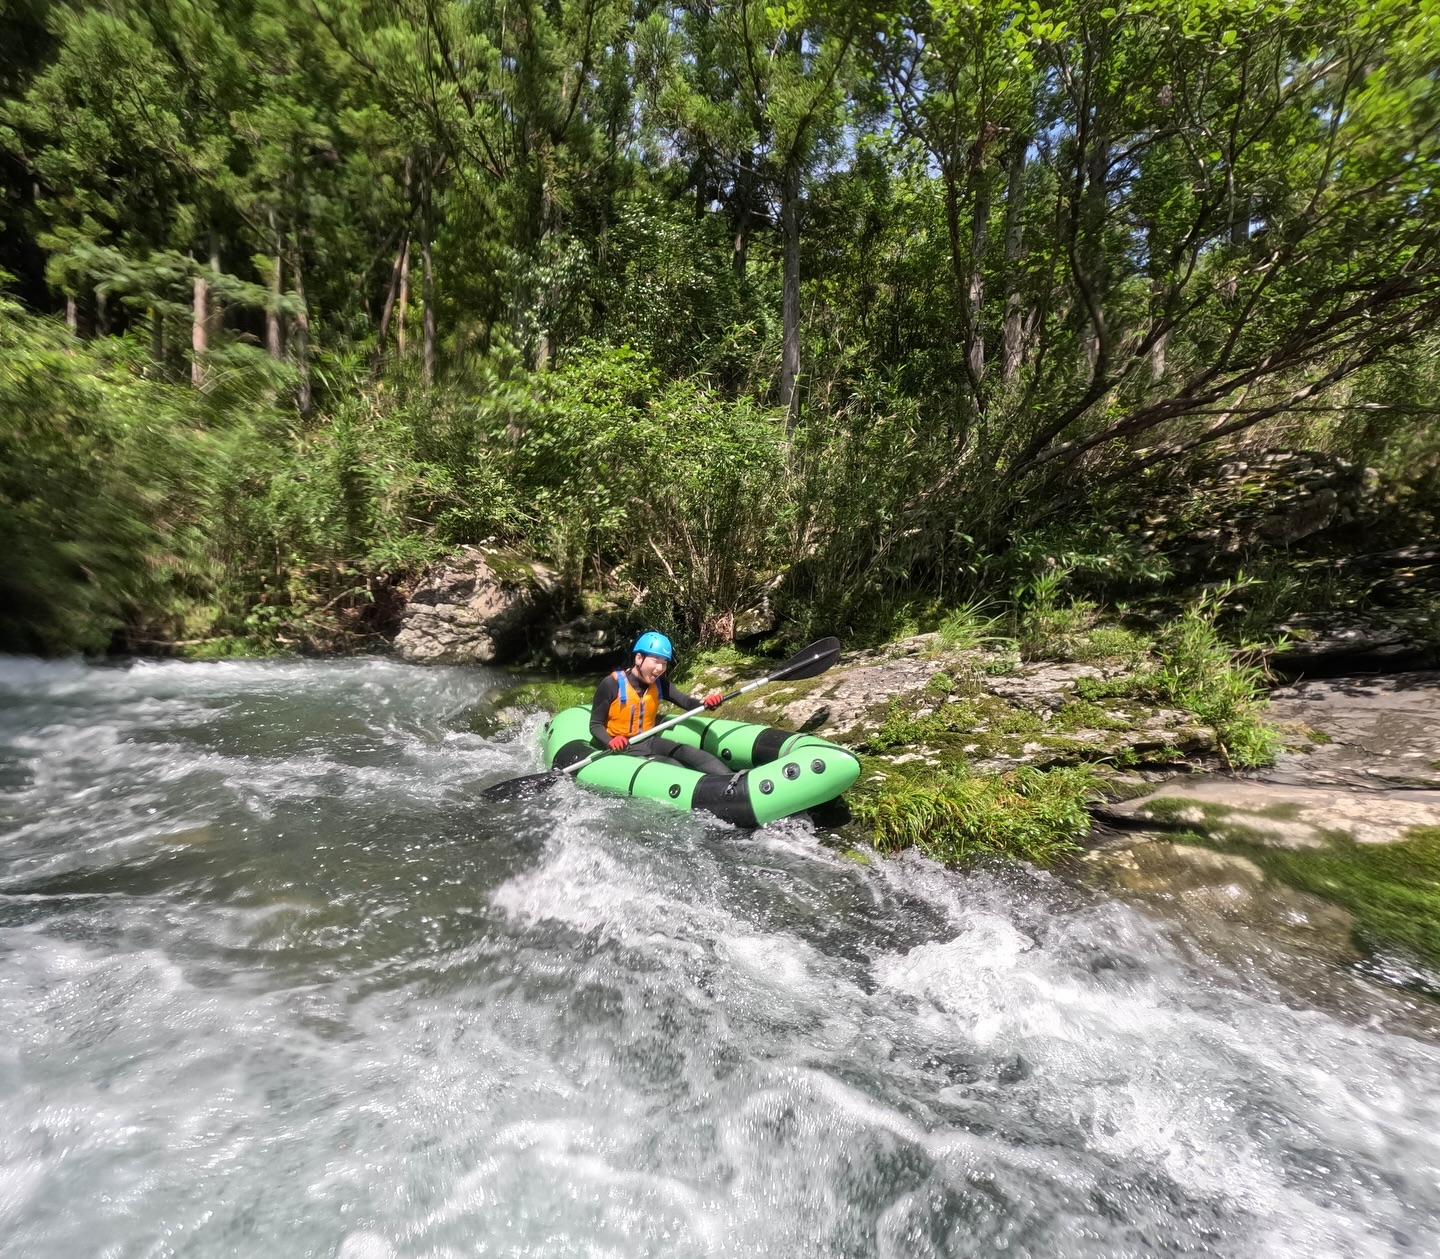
1212	894
478	607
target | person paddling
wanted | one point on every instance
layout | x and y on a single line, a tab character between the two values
628	701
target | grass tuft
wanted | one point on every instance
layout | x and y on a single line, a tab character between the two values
1026	814
1196	670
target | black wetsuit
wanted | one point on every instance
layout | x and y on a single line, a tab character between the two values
657	745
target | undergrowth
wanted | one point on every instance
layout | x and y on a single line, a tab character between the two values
1193	668
549	696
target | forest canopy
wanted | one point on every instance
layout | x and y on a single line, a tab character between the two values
697	301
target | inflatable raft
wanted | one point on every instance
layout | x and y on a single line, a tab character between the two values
777	772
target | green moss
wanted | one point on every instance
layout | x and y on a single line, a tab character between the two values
1124	686
1281	810
716	664
940	684
1392	890
549	696
1082	714
1016	721
510	570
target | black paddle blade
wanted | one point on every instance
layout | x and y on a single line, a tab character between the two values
521	788
811	662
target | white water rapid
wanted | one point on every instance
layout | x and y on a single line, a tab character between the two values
274	982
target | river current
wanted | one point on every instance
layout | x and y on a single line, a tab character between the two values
274	982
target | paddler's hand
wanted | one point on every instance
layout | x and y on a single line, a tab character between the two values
619	743
714	700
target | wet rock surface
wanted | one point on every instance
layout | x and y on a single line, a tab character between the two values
1279	815
1213	893
1363	774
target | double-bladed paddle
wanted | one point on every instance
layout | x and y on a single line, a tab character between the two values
809	663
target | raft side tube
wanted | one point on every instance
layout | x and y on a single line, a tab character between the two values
788	772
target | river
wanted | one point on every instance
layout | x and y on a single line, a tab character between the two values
274	982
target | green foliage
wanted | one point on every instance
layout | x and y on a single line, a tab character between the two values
667	487
1204	675
1047	628
967	626
95	475
1027	814
550	696
1023	261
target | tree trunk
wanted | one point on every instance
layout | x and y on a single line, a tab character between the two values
72	314
1092	242
102	313
199	330
274	343
790	297
1239	209
217	314
389	308
1014	336
744	197
428	280
300	333
157	342
404	299
975	289
1157	299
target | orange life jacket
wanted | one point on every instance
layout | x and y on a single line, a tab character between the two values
632	711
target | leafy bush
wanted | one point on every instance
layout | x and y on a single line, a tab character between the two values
96	469
1204	675
1046	628
677	492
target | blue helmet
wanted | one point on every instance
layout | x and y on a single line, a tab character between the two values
652	644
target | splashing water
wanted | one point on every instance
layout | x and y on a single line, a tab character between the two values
274	980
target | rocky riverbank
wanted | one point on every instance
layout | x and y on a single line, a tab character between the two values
1314	815
1336	846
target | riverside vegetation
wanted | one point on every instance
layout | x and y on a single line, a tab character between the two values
973	321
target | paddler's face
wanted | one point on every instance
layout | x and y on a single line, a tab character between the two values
649	668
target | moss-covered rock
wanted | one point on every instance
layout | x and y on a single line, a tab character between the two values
1373	854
